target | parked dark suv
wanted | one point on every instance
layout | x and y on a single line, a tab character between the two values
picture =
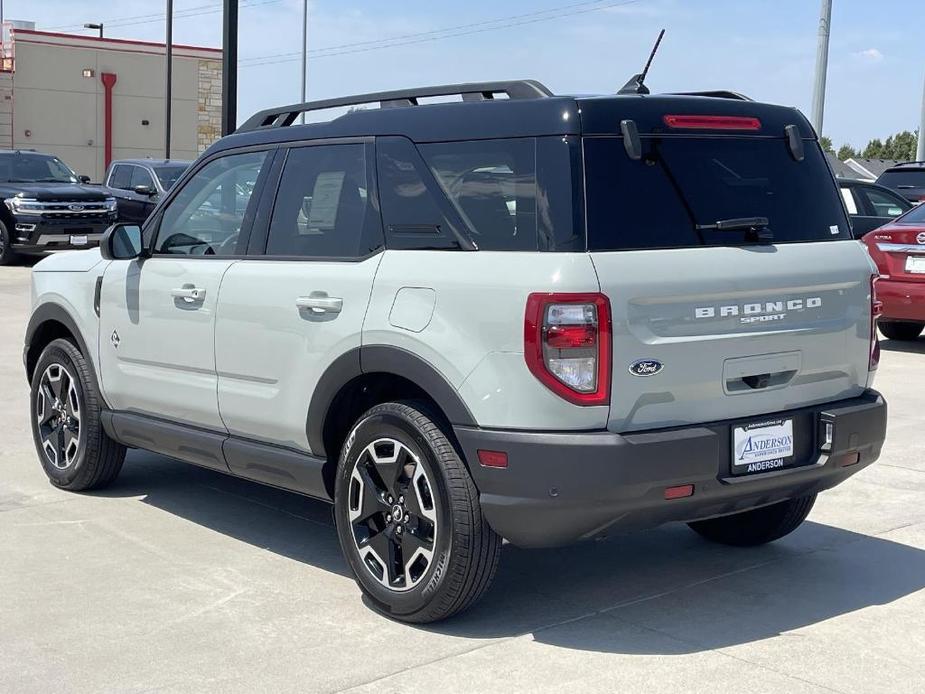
907	179
138	184
47	206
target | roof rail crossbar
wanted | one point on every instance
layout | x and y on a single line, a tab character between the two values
716	94
473	91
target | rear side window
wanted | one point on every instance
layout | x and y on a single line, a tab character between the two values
121	177
513	194
684	185
322	208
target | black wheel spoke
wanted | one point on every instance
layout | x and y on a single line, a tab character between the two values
58	442
416	537
388	552
372	499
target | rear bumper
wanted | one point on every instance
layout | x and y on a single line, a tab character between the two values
902	300
563	487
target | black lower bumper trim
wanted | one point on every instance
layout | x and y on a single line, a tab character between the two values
563	487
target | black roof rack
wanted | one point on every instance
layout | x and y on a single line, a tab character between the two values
716	94
909	163
472	91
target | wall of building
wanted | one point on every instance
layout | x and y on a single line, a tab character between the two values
56	109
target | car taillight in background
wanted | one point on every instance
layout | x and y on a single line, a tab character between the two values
876	308
567	343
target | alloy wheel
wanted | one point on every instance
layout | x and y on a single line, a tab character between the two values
392	510
57	410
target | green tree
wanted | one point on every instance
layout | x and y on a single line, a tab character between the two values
874	149
846	152
826	144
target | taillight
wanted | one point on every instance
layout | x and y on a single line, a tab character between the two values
876	308
713	122
567	340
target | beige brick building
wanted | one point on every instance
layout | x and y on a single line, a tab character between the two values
84	98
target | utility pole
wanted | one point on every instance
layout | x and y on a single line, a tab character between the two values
95	25
230	67
920	150
168	79
822	64
304	54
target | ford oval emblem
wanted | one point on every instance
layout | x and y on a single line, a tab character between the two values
646	367
75	208
921	237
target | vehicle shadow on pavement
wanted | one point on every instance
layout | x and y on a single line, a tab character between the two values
916	346
663	591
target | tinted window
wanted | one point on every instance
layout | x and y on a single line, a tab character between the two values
493	186
883	204
141	177
168	175
914	178
414	208
206	216
685	182
322	208
121	177
914	216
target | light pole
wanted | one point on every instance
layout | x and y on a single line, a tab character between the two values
230	67
920	150
822	63
168	79
94	25
304	54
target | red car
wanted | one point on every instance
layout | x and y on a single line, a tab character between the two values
898	248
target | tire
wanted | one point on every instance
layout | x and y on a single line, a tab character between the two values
759	526
65	405
440	512
897	330
7	255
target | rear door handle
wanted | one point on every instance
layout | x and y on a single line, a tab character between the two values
189	294
320	303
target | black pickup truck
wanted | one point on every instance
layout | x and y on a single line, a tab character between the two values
138	184
48	207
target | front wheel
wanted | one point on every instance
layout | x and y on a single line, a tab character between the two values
7	254
75	452
896	330
408	516
758	526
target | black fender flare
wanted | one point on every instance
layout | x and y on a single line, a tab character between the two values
384	359
47	313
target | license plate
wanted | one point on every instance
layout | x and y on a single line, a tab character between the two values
79	240
762	446
915	264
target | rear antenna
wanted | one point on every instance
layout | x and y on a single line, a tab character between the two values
636	84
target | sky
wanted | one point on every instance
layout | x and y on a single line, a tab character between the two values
763	48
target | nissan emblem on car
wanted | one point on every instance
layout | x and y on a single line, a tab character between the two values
646	367
921	237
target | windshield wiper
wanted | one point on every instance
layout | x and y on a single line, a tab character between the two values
756	227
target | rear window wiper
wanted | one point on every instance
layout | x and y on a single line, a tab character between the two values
757	227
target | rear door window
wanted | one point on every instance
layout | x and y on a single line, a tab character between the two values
121	177
683	185
141	177
882	204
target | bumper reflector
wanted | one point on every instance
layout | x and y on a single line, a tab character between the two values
847	459
679	492
492	458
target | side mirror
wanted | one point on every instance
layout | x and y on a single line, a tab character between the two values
83	179
122	242
145	190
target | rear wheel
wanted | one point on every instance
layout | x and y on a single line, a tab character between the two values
7	254
408	516
759	526
75	452
900	330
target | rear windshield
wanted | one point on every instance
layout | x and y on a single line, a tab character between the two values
914	178
682	183
168	175
914	216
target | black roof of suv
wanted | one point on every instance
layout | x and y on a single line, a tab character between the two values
523	108
907	179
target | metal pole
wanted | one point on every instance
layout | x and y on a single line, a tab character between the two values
920	150
101	30
822	62
230	67
304	53
168	79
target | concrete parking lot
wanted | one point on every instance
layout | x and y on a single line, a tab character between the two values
181	579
